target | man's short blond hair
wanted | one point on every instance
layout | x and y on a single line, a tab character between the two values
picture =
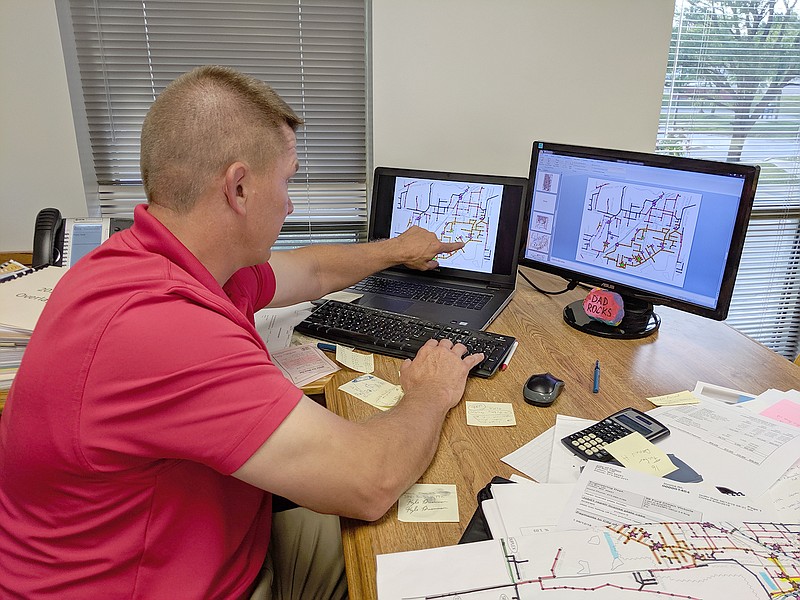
201	123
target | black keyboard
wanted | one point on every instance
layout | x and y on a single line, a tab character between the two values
398	335
436	294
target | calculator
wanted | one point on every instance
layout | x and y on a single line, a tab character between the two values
590	443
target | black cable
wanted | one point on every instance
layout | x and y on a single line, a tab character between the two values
571	285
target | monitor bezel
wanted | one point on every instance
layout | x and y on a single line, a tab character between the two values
749	173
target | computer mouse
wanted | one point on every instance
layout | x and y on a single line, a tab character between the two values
542	389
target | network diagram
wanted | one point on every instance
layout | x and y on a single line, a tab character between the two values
694	561
643	230
455	212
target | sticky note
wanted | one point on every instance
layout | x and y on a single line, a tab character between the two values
490	414
784	411
429	503
374	390
363	363
639	454
685	397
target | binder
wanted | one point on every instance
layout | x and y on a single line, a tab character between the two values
23	297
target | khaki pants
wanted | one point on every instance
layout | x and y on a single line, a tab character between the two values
304	560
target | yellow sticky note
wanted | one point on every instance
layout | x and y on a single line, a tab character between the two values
374	390
686	397
363	363
639	454
490	414
429	503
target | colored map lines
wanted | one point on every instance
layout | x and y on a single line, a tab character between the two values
691	560
634	227
455	212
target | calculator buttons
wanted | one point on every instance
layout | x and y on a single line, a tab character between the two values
591	441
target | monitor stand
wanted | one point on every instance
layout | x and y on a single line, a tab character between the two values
639	320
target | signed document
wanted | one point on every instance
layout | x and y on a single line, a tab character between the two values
429	503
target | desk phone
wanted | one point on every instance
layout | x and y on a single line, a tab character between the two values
590	443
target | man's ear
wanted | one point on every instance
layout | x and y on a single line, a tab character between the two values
235	188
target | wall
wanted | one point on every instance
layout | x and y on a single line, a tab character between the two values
38	153
467	85
463	85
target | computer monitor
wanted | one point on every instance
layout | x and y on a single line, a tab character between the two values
656	229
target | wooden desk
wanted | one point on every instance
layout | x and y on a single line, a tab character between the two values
686	349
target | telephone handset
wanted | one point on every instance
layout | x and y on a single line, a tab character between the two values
61	242
45	236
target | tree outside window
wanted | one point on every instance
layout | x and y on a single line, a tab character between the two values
732	93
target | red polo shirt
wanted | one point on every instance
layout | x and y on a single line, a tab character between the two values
145	385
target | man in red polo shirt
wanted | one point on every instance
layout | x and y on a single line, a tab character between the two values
147	427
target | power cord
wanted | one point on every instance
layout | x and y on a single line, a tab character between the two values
571	285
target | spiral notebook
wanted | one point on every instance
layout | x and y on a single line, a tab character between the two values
23	297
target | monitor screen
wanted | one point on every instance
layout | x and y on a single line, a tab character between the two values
656	229
483	211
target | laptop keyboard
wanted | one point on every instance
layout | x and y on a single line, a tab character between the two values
422	291
398	335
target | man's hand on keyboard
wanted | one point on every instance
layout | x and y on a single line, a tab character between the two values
439	370
422	247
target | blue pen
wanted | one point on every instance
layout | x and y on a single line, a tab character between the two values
326	347
596	387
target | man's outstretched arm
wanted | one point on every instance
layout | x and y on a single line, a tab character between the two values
311	272
331	465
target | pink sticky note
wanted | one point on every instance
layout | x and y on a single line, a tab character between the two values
784	411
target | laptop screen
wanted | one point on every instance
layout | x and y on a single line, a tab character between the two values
483	211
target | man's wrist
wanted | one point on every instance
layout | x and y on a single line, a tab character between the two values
440	401
392	252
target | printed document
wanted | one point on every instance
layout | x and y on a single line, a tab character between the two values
710	560
303	364
275	325
528	508
607	494
565	467
728	446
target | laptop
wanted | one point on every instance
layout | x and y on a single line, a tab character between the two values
472	285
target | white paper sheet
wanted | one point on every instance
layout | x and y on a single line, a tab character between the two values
275	325
785	494
714	561
494	520
526	509
728	446
607	494
709	391
565	467
533	458
545	458
421	573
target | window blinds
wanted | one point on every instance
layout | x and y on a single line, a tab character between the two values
311	52
733	94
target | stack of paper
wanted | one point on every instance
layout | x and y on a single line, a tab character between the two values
747	449
12	346
22	300
598	528
714	561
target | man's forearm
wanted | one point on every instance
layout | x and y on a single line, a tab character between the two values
339	265
405	440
